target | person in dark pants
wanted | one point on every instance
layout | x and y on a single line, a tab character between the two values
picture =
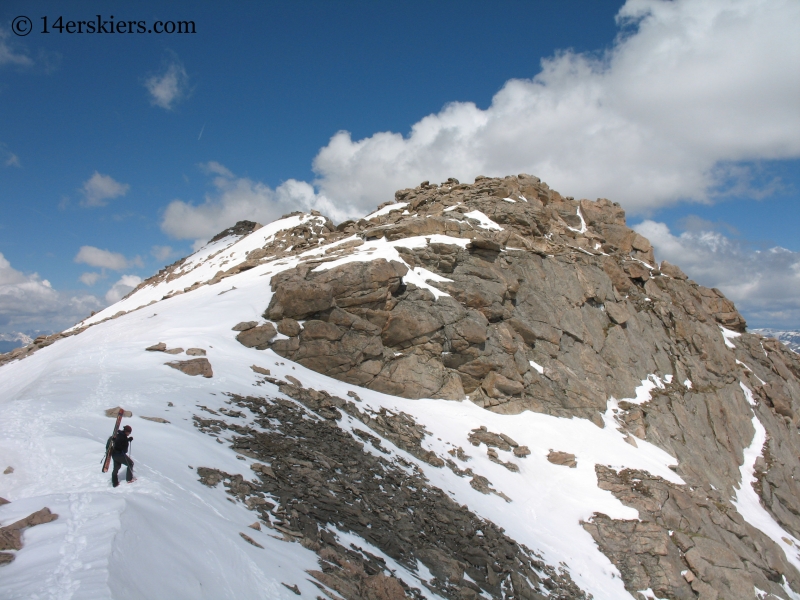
120	455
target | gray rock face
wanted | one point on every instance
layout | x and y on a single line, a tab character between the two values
591	307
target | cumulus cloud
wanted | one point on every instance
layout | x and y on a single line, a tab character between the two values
161	253
122	287
28	302
764	283
169	87
212	167
689	91
105	259
238	198
89	278
688	96
100	188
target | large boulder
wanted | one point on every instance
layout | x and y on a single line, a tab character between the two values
258	337
302	292
11	535
195	366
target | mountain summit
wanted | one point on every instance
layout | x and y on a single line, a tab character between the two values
483	390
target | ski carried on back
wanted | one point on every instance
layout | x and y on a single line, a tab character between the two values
110	442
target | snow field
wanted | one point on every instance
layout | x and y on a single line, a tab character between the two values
169	536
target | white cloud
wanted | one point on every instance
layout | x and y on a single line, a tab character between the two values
8	158
122	287
764	284
689	89
105	259
213	167
99	188
161	253
89	278
237	199
28	301
8	56
170	87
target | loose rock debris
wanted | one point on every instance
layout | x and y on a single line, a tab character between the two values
314	479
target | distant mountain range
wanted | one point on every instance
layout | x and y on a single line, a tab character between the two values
790	338
9	341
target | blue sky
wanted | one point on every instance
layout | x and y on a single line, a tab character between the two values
119	153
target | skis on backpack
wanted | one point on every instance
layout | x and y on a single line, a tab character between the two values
110	442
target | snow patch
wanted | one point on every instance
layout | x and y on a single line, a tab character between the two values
747	501
386	210
583	227
753	373
728	335
420	277
485	222
643	391
203	265
747	394
650	594
377	249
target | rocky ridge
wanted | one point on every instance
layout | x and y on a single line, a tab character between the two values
520	299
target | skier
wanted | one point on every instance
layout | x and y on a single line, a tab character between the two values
120	455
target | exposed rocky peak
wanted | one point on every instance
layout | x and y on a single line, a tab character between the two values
520	299
522	275
240	229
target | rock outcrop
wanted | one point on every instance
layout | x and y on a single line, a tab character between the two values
194	366
11	535
509	294
538	277
322	476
